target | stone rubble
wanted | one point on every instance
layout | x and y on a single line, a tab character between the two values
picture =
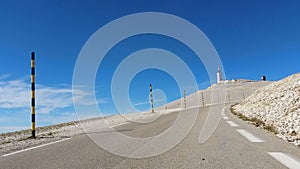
277	105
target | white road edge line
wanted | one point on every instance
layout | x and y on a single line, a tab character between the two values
249	136
285	160
31	148
232	124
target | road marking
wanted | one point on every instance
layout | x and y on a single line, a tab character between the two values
223	113
285	160
31	148
232	124
249	136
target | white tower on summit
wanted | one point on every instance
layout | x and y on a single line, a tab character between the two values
219	75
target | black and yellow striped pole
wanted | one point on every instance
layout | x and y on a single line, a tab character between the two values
184	99
33	94
202	99
151	98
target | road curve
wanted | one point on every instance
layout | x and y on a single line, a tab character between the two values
232	145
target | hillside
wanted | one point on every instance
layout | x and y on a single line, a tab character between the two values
275	107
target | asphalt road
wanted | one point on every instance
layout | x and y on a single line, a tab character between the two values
234	144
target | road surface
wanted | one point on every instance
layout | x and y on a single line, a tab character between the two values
234	143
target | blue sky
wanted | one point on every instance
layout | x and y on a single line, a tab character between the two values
252	38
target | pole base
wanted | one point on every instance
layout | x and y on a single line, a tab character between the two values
33	134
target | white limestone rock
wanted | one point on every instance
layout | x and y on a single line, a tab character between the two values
278	105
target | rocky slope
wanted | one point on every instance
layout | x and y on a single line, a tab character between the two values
275	107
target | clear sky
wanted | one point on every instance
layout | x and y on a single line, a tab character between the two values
252	38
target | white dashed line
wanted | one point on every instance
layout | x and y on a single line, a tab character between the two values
31	148
249	136
285	160
232	124
225	117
